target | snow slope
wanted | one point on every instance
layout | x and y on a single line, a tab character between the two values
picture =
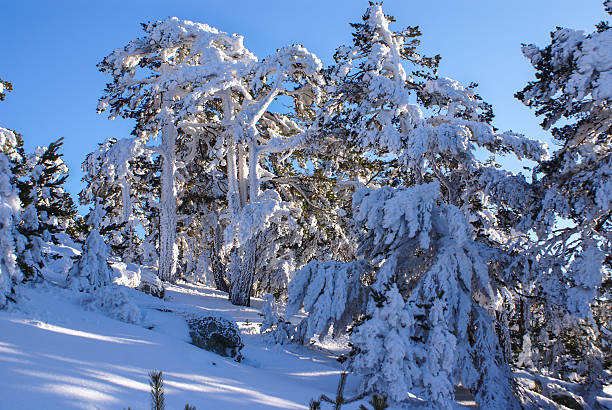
56	355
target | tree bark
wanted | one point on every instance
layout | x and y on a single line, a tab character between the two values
253	177
242	276
168	249
218	268
242	176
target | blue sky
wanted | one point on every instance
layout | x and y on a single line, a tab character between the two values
49	51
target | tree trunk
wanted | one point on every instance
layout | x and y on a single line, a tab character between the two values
242	274
253	177
242	176
233	194
217	266
168	249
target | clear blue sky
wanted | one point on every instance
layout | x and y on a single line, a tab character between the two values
49	51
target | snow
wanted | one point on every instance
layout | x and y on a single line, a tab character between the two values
438	244
55	355
590	59
9	210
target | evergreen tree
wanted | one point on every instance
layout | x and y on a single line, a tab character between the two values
109	177
158	400
91	271
10	209
4	87
429	241
176	61
48	210
571	264
251	134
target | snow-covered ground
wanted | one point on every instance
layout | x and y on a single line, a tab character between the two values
56	355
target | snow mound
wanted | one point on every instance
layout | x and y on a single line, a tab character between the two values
113	301
138	277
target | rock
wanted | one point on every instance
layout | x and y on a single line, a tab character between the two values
564	397
568	400
216	334
142	278
150	284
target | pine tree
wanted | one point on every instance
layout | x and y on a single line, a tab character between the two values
109	180
4	87
48	210
252	134
158	400
91	271
431	234
571	264
176	66
10	209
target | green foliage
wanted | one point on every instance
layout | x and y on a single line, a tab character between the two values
378	402
156	381
314	405
4	86
45	190
47	208
339	400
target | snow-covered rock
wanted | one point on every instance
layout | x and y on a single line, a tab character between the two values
216	334
142	278
151	284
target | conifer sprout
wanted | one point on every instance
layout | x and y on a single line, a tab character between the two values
156	381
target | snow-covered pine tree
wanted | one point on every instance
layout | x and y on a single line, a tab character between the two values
10	209
91	271
429	243
434	281
188	71
109	179
145	170
200	197
572	264
91	276
48	210
155	79
237	107
292	72
5	86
